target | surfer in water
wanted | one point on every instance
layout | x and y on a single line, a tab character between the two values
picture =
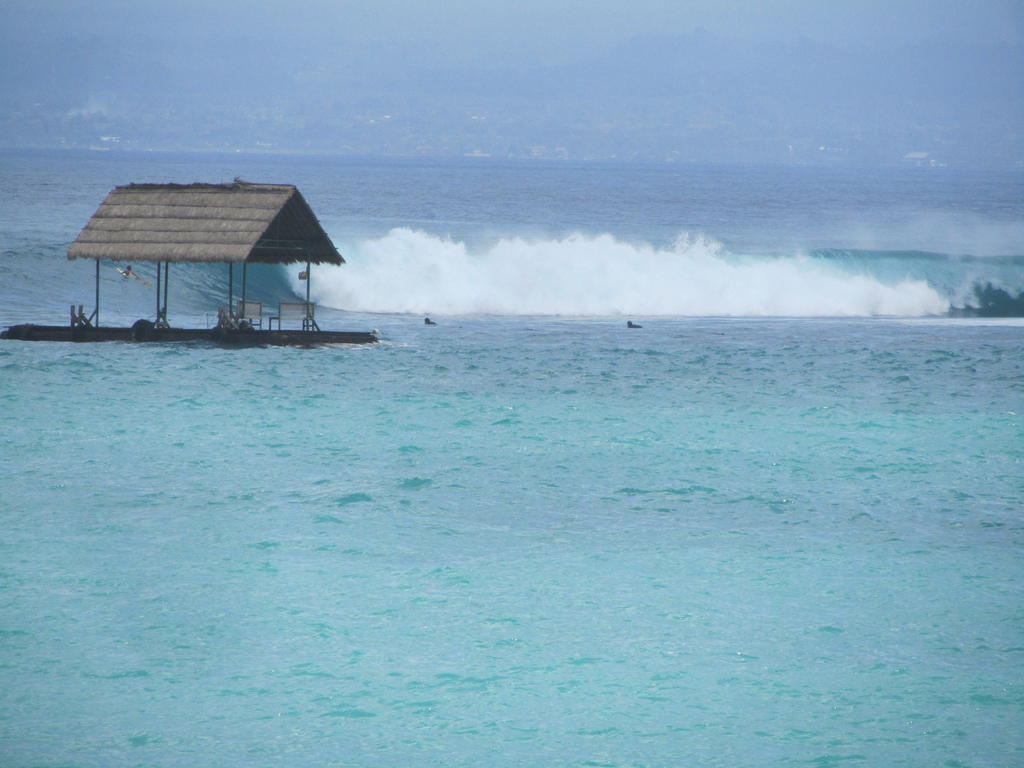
428	321
129	272
631	324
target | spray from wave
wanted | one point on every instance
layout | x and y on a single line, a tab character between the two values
409	271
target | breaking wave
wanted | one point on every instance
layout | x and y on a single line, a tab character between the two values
410	271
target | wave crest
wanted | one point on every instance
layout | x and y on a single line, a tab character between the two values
410	271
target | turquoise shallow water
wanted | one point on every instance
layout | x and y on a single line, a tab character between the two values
526	536
518	541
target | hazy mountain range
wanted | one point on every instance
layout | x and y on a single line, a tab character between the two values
689	97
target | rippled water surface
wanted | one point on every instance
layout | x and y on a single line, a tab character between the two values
518	541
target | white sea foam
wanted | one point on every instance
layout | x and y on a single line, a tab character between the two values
416	272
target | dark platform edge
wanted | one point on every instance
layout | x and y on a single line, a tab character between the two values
148	333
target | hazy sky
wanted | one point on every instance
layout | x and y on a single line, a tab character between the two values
816	58
510	28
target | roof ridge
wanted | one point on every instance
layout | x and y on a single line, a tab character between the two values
237	184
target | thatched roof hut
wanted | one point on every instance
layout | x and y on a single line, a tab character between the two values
226	223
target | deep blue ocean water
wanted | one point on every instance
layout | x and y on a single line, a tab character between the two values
779	525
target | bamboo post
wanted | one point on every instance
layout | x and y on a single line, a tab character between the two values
167	280
309	279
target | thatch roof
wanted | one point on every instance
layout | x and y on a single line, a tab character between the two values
265	223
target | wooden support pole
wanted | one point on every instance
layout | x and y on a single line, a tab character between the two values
167	280
96	311
305	320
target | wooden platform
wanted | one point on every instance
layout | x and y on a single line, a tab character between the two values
144	331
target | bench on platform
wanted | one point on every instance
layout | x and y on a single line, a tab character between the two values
251	311
295	310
